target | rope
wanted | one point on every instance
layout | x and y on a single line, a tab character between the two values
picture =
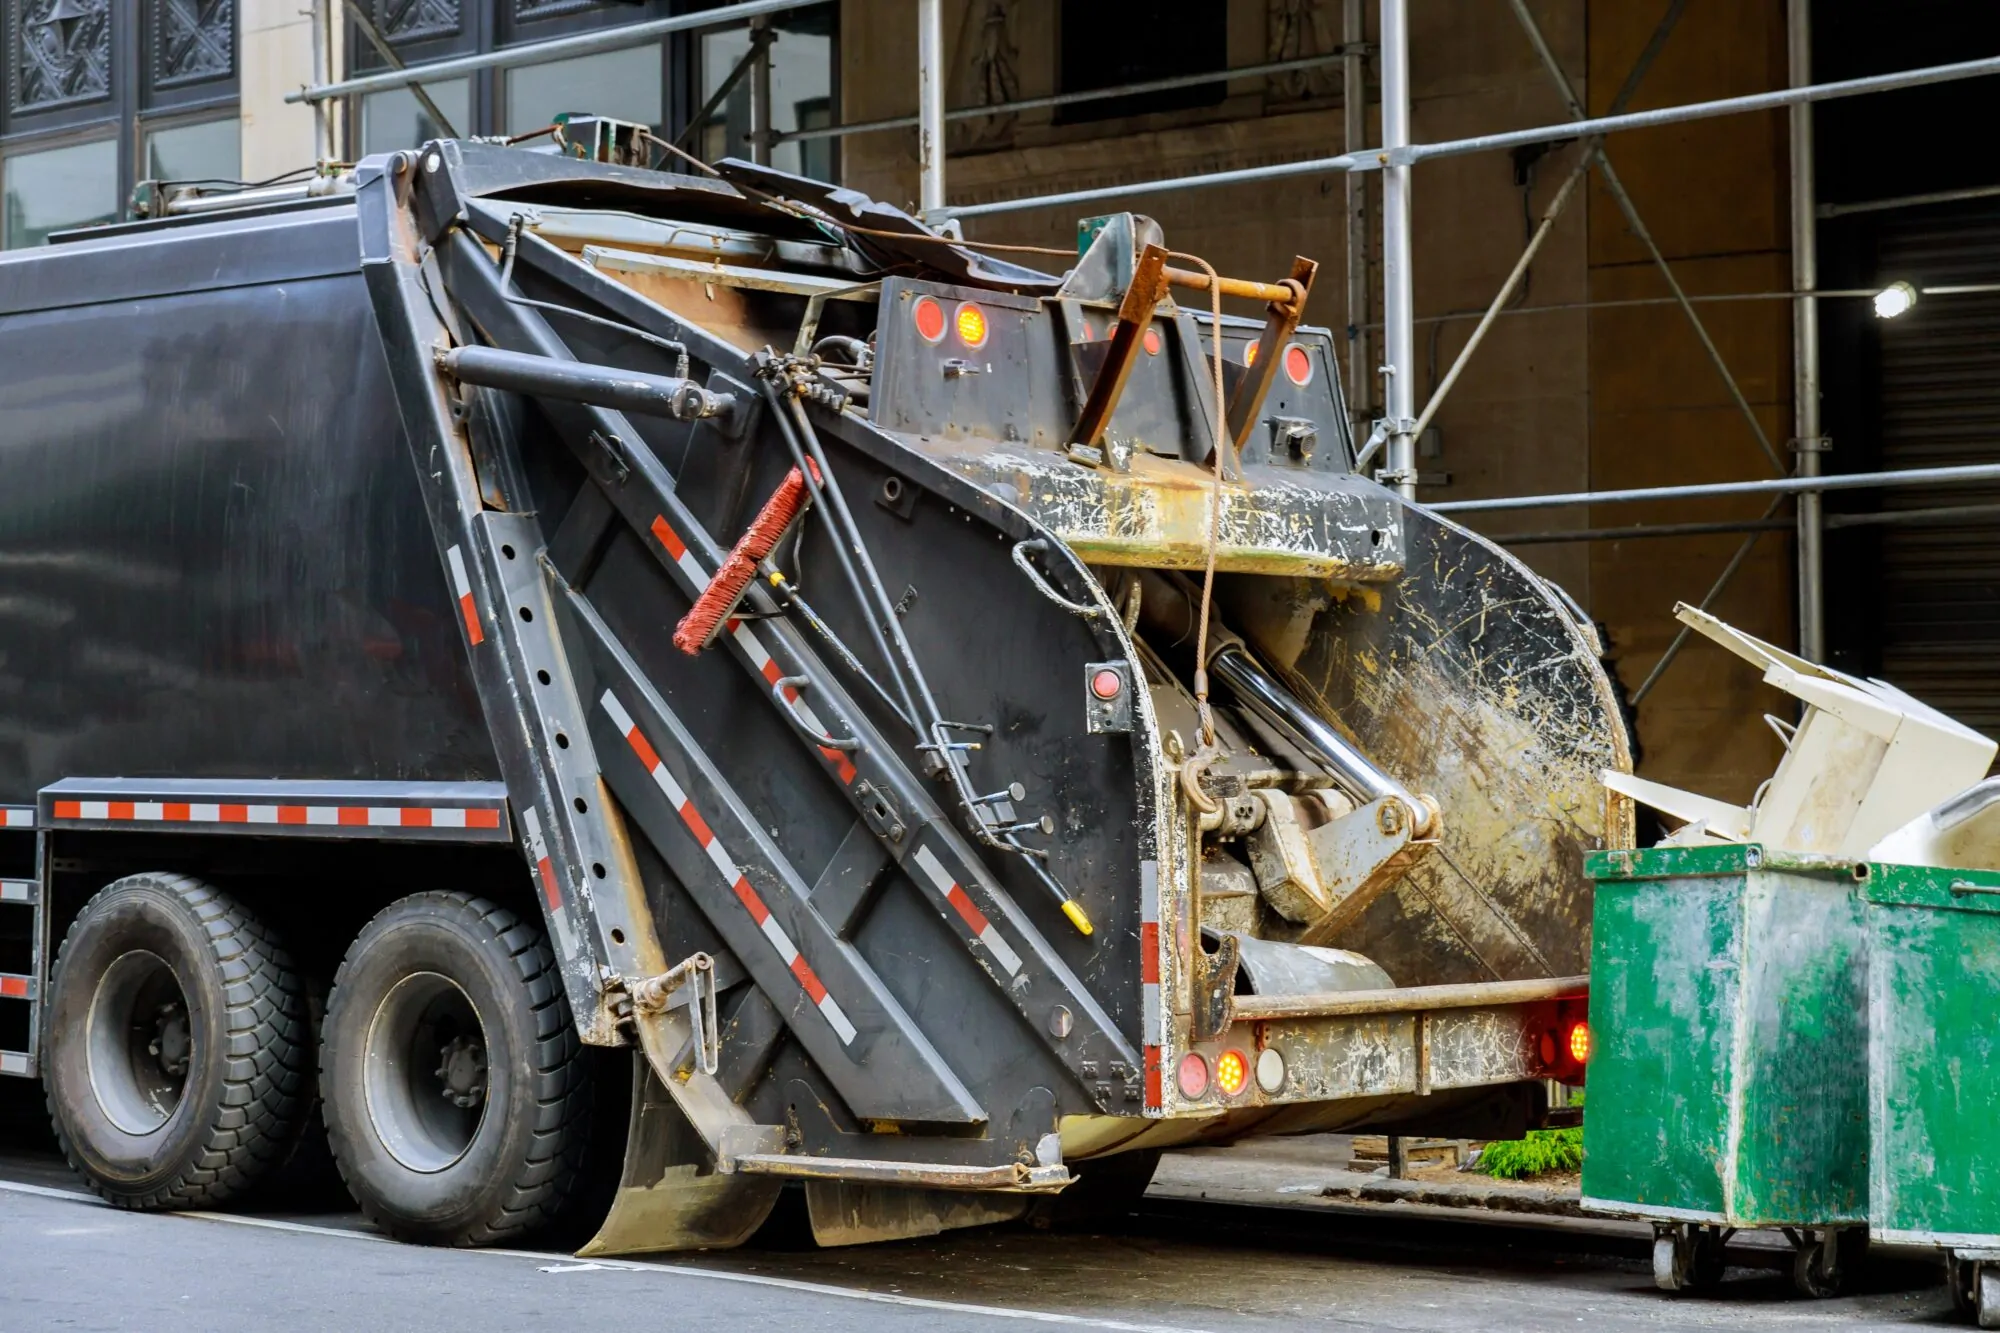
1214	503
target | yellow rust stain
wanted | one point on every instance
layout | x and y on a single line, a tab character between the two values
1158	516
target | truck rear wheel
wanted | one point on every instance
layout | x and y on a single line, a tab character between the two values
451	1076
179	1051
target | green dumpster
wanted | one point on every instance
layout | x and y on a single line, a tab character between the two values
1934	1071
1728	1080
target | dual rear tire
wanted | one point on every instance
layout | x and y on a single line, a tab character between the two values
179	1060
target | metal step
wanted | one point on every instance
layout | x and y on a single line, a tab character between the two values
25	987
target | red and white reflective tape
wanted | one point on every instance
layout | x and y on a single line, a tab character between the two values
738	882
1151	1015
531	825
461	587
18	890
753	647
17	816
229	812
14	1062
968	911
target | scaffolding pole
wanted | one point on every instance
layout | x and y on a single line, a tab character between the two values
620	38
1809	442
1391	156
1966	474
1399	330
930	104
1354	118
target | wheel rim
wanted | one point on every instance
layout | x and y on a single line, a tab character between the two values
140	1044
424	1072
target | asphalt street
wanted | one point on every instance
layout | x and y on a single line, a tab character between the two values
69	1262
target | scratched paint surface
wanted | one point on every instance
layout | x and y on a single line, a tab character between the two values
1465	678
1729	1017
1282	521
1934	1085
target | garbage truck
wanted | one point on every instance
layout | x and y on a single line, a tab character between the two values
496	627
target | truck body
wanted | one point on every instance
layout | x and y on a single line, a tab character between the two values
807	624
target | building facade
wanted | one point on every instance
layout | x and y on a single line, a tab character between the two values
1594	379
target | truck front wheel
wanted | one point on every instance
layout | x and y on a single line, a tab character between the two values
453	1083
179	1045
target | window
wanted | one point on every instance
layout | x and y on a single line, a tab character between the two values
1105	45
801	93
58	188
96	95
209	150
394	118
624	85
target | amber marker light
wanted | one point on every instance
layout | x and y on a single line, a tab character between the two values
1232	1073
971	325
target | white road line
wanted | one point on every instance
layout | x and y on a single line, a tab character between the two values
567	1264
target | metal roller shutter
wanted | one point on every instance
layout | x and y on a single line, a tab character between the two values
1940	405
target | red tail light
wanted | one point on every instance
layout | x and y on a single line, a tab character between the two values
1298	365
929	316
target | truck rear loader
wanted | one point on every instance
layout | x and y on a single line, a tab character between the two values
947	731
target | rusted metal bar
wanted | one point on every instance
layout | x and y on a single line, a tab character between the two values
1014	1178
1274	292
1408	999
1280	321
1149	285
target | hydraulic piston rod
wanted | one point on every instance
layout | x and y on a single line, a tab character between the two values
581	382
1356	774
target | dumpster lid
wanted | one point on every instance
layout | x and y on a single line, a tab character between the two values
1673	862
1938	887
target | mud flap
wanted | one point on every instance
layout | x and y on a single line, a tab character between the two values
845	1212
670	1197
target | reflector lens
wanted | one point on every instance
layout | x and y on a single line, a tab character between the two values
930	319
1579	1042
1298	365
1194	1077
1250	354
971	325
1106	684
1152	341
1270	1069
1232	1073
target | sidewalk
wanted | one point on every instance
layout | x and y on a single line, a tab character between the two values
1316	1168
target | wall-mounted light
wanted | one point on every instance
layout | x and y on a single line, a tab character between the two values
1894	300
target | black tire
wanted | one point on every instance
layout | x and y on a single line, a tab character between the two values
178	1053
485	1145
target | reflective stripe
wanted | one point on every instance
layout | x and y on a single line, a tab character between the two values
461	586
968	911
711	846
531	825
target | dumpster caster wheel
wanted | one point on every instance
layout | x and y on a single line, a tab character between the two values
1986	1296
1963	1280
1687	1257
1825	1261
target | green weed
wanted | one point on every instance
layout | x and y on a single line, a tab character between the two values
1543	1151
